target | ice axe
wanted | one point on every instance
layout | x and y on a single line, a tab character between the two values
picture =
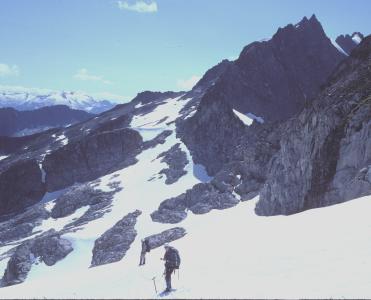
154	283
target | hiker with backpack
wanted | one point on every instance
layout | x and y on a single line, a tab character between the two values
172	262
145	248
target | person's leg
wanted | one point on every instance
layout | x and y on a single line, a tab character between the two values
168	272
142	259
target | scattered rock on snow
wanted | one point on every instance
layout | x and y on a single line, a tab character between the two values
200	199
115	242
22	225
79	196
159	139
49	248
177	160
167	236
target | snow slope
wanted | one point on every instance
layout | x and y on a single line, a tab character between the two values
337	46
357	38
244	118
232	253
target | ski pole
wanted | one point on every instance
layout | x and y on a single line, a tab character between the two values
154	282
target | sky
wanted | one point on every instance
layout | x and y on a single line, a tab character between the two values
125	47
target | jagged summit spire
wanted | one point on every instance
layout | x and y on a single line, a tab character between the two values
311	21
313	18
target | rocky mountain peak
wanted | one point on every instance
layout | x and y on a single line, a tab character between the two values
306	31
348	42
270	80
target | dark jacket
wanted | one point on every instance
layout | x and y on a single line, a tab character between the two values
172	258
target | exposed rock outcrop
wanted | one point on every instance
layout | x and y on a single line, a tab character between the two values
115	242
167	236
91	157
20	186
22	225
271	79
159	139
77	197
176	160
201	199
49	248
213	133
326	152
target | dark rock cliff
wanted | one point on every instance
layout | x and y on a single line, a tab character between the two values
325	155
271	79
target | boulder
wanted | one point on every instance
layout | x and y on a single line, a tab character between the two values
167	236
112	245
176	160
49	248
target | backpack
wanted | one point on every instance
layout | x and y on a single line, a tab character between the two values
173	258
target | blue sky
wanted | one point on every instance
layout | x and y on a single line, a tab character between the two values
124	47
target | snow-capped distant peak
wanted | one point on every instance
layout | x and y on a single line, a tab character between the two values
22	98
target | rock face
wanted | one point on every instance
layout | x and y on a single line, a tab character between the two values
13	122
160	139
167	236
177	160
77	197
22	225
10	145
349	42
91	157
271	79
115	242
325	155
213	132
201	199
274	79
50	248
20	186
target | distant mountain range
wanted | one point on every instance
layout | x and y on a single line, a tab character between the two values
21	123
29	99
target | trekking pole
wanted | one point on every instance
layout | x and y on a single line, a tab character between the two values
154	282
178	274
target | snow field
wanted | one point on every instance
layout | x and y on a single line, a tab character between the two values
232	253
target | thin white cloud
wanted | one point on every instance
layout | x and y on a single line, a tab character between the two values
83	74
188	84
6	70
139	6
